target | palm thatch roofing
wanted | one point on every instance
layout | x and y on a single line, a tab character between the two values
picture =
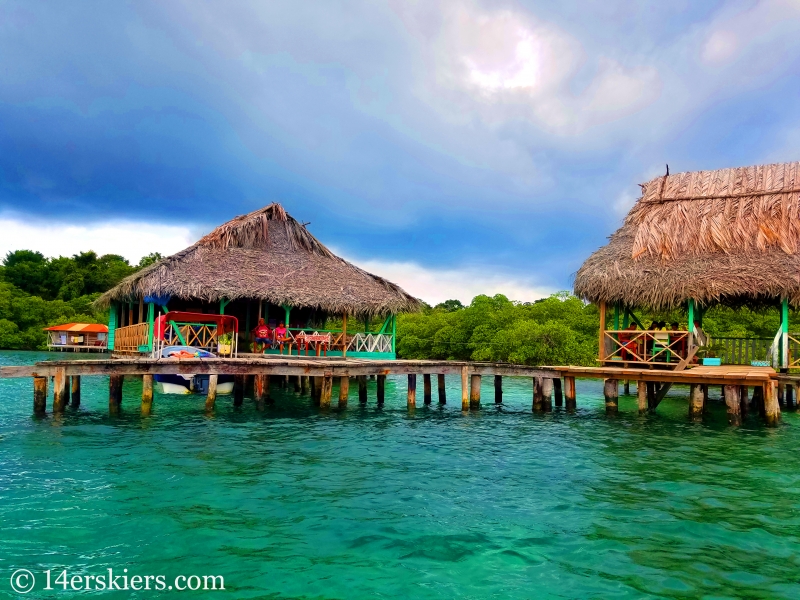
728	236
265	255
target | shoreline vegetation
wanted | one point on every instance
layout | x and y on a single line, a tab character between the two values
37	292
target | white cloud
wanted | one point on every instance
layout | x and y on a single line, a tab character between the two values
131	239
459	283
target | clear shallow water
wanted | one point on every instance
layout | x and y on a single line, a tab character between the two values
377	503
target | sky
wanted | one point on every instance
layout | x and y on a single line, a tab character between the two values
454	147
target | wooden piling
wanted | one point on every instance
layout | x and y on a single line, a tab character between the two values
76	391
611	394
652	391
59	390
557	392
757	401
344	390
211	398
790	396
569	393
537	395
362	389
115	394
147	394
381	384
697	397
498	389
261	391
39	395
412	391
426	388
315	388
464	389
238	390
303	385
626	388
547	394
442	391
475	392
744	401
772	410
781	395
733	403
67	389
641	396
326	392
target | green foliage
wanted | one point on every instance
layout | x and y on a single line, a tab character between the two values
38	292
151	258
560	329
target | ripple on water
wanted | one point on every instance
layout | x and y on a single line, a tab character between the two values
372	502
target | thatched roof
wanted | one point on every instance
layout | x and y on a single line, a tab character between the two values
731	235
265	255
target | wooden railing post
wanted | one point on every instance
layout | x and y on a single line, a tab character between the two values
602	349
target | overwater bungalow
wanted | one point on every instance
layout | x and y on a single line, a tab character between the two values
77	337
695	240
263	265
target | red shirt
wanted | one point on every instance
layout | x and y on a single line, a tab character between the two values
280	331
263	331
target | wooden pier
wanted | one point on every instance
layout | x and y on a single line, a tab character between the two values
315	375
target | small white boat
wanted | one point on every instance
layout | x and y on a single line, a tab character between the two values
190	384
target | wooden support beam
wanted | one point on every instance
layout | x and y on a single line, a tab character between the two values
611	394
744	401
39	395
626	388
344	391
296	383
757	401
59	390
316	386
441	388
547	394
781	395
211	398
537	394
115	394
261	391
344	334
475	392
697	400
147	394
772	410
362	389
601	354
569	393
733	403
326	392
381	392
76	391
67	389
464	389
238	390
303	385
498	389
641	396
426	388
557	392
412	391
790	396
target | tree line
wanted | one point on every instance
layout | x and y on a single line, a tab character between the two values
38	292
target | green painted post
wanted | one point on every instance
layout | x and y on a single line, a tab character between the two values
151	319
394	333
222	304
287	309
112	325
785	332
690	326
616	316
625	319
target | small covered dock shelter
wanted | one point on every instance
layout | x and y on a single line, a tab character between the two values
77	337
691	241
262	265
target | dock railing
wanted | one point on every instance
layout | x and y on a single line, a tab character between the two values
645	346
131	338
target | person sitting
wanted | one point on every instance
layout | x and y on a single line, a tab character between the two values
661	342
263	336
281	335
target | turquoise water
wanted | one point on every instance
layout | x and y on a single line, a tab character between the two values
380	503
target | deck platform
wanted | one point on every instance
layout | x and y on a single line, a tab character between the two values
770	389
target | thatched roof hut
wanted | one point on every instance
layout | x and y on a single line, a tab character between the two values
731	236
265	255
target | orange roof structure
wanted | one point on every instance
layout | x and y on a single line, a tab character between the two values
79	327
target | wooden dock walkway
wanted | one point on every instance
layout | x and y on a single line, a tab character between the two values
316	374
